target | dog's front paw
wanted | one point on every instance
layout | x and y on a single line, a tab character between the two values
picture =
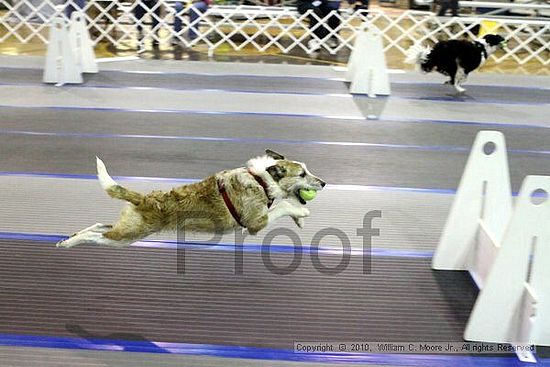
62	243
301	212
299	222
66	243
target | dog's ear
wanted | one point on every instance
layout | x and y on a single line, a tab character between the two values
276	171
273	154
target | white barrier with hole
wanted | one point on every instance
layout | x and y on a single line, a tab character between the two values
483	200
82	44
514	304
505	249
367	70
70	51
61	66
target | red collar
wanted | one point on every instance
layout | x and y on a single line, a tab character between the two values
263	184
229	204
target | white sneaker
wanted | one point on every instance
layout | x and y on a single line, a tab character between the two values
141	47
314	44
332	43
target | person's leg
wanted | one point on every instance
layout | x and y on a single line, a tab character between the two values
444	7
154	12
454	8
78	5
143	8
303	7
195	13
317	32
151	8
139	12
322	29
361	5
178	7
333	20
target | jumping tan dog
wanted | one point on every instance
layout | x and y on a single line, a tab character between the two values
220	203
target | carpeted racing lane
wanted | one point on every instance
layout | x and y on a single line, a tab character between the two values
158	153
137	294
284	84
133	299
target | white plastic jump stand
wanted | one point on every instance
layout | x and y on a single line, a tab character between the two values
514	304
81	44
61	66
500	247
367	69
354	56
482	208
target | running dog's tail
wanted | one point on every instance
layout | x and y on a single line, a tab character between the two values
113	189
419	54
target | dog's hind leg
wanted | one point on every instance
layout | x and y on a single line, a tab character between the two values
130	227
460	78
78	236
98	227
452	78
120	235
91	237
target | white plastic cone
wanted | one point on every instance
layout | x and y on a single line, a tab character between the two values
367	69
484	194
61	66
514	305
82	44
354	57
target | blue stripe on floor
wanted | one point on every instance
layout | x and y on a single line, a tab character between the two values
425	148
244	91
94	177
186	112
389	118
235	140
193	180
519	87
287	76
197	73
376	119
470	100
395	95
221	246
246	352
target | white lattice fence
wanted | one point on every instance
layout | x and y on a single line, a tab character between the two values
269	28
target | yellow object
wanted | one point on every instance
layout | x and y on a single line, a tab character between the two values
488	27
308	195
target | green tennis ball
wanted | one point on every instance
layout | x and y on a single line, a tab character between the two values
308	195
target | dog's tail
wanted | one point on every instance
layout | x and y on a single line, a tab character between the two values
113	189
418	54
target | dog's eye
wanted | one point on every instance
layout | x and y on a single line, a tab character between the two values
303	174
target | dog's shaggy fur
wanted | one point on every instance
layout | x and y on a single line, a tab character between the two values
455	58
200	207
